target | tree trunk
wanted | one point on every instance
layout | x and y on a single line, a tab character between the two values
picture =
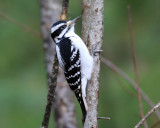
50	13
64	109
92	34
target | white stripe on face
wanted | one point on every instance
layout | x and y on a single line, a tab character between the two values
53	29
63	32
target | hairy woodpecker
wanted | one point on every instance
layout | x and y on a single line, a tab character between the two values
74	59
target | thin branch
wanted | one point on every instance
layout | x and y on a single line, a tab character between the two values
104	118
147	115
51	92
132	83
135	65
123	86
23	26
65	5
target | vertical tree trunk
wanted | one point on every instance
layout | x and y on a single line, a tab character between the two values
64	109
92	34
50	13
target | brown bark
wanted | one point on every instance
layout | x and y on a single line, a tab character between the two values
47	19
64	107
50	13
63	103
92	33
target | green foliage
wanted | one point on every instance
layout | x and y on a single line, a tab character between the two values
23	87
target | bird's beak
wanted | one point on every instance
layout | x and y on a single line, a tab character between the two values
71	22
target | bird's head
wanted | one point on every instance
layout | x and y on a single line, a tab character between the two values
60	28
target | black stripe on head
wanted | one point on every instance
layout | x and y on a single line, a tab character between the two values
57	28
58	22
56	33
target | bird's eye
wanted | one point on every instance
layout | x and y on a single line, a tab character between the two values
63	27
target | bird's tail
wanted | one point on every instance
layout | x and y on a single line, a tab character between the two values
82	101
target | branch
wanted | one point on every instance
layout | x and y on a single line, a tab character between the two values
92	33
123	86
147	115
156	124
23	26
65	5
104	118
51	94
132	83
49	14
135	65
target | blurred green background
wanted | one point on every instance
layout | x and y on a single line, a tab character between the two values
22	70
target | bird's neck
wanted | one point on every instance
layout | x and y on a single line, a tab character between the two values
65	35
69	34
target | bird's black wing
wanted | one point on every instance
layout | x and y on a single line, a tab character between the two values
72	69
70	56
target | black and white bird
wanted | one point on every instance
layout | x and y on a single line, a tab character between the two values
74	58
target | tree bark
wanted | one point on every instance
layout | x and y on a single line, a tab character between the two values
50	13
92	34
64	109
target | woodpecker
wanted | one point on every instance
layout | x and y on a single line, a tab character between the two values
74	58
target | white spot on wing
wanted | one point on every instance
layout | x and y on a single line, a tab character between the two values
73	54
